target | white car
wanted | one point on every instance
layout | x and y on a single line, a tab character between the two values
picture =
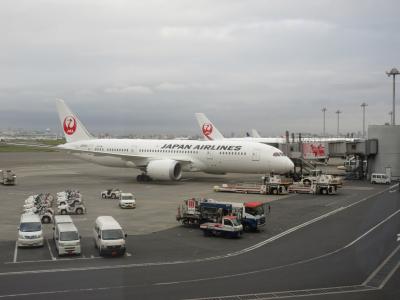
127	200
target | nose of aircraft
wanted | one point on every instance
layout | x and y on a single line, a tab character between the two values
289	165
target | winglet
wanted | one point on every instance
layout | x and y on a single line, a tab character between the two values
208	130
73	129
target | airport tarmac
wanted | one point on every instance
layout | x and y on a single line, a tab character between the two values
298	227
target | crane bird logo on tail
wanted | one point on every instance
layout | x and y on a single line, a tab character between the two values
69	125
207	129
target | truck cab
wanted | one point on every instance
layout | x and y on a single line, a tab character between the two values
254	215
228	227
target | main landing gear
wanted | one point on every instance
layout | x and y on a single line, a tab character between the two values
143	178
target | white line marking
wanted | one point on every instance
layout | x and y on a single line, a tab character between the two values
233	254
389	275
15	252
287	265
373	228
372	275
295	293
51	253
50	260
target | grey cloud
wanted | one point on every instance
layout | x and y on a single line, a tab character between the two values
270	65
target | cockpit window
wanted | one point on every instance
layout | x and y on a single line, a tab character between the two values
278	154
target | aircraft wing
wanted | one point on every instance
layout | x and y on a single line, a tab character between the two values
138	160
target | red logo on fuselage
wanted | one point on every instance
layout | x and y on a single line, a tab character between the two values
69	125
207	130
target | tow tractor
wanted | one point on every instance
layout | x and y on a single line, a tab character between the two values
198	211
71	209
111	194
228	226
8	177
271	184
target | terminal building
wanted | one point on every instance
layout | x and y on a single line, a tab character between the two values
387	158
379	153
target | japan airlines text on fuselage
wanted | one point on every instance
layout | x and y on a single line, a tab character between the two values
166	159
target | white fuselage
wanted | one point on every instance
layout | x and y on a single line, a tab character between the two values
210	157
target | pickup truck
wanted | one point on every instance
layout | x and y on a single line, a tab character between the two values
229	227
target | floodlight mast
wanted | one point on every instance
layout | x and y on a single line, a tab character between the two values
323	112
363	105
393	72
338	112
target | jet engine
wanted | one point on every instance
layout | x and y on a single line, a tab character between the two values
164	169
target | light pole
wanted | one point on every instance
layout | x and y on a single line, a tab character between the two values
393	72
323	112
363	105
338	112
391	117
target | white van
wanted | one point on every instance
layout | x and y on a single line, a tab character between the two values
380	178
30	232
109	236
66	236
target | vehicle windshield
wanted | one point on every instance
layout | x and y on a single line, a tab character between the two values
235	222
255	211
127	197
69	236
112	234
30	227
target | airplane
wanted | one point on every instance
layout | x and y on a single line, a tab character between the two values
167	159
211	133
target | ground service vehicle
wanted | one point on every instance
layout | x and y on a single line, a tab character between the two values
66	236
274	184
109	237
71	209
127	200
111	194
30	232
69	197
8	177
380	178
228	226
41	205
198	211
322	184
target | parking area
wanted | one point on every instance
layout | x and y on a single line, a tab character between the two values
152	224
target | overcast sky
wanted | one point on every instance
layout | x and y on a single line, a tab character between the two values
147	66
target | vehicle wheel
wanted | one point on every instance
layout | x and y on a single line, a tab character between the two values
113	196
103	196
324	191
63	212
275	192
307	182
46	219
246	227
79	211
